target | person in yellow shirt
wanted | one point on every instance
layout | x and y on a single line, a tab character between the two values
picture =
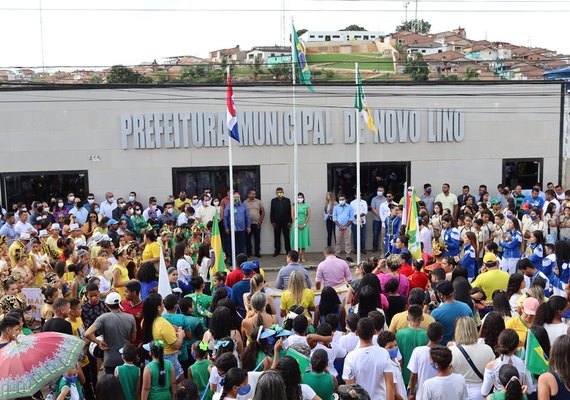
297	293
400	320
18	247
491	278
155	327
522	323
120	272
51	242
181	200
151	250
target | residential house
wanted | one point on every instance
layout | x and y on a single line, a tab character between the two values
340	36
445	63
267	51
232	55
426	48
454	42
7	76
25	74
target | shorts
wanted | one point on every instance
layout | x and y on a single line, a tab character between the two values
173	358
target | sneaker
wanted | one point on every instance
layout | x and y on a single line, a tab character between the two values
349	259
275	254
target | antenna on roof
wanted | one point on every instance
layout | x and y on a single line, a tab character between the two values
42	37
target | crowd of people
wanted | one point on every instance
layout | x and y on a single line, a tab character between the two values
454	324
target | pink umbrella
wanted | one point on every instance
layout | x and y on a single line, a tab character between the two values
29	363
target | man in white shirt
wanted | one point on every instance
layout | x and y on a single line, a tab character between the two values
375	207
446	385
205	213
448	200
363	212
152	209
350	340
23	225
108	205
79	211
419	364
550	197
369	366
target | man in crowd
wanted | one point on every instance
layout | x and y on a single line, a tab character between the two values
206	212
58	323
79	211
256	214
153	211
133	201
8	228
462	198
450	310
108	205
280	217
427	198
550	197
377	219
282	281
533	200
343	215
400	320
448	200
23	225
242	287
242	223
491	278
182	199
332	271
363	211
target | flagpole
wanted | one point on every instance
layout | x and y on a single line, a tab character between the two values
295	149
358	221
231	171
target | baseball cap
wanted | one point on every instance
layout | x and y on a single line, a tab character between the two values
112	222
74	227
25	236
113	299
55	226
97	237
247	267
44	233
490	259
445	288
495	201
530	305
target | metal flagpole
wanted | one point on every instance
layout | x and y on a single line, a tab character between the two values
232	208
358	221
295	150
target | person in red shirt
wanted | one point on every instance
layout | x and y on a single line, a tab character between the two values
406	269
134	305
418	279
236	275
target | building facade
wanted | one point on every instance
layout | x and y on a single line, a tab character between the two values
159	140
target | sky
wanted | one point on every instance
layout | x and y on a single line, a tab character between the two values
108	32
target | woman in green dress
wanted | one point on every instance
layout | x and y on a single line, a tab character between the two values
304	234
158	377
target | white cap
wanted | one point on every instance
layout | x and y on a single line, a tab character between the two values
74	227
80	242
44	233
113	299
55	226
97	237
25	236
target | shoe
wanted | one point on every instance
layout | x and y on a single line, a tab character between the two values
258	255
349	259
275	254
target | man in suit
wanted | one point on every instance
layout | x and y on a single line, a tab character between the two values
462	198
280	216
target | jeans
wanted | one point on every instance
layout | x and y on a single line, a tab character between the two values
173	358
255	234
281	227
330	231
362	236
377	235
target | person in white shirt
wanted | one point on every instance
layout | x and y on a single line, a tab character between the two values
108	205
446	385
334	351
387	340
420	364
370	366
152	209
363	212
23	226
349	341
206	212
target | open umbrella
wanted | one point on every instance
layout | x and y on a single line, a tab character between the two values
28	364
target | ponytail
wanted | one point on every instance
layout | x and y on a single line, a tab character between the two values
234	377
157	351
509	378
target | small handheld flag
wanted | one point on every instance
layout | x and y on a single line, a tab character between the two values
231	116
361	104
536	358
300	59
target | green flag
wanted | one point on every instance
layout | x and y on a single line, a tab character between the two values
300	60
303	361
536	358
361	104
216	243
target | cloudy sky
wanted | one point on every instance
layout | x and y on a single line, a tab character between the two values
107	32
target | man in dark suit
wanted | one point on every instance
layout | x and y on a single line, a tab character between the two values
280	216
462	198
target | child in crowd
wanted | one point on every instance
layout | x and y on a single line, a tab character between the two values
201	300
387	340
419	364
322	382
333	350
68	387
410	338
418	279
129	374
223	363
235	383
512	386
350	340
173	280
187	390
219	281
446	385
50	295
159	378
199	372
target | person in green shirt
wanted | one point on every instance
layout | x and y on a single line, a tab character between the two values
201	301
410	338
323	383
129	374
510	379
69	387
199	372
159	382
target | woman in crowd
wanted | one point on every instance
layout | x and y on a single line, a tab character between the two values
330	203
270	386
297	293
372	281
257	285
535	252
89	227
467	347
501	304
204	262
435	220
120	271
549	315
515	288
140	225
260	316
151	252
146	275
492	326
564	223
304	216
329	304
183	266
551	223
396	302
393	264
220	327
556	383
289	370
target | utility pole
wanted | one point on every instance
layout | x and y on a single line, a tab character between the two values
416	18
282	22
406	4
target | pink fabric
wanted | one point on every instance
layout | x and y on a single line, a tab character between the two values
404	289
333	271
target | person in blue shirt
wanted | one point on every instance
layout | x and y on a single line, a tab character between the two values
8	228
533	200
449	310
242	287
469	260
450	236
343	215
392	230
537	249
553	284
511	245
241	220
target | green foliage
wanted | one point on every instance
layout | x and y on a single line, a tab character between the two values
470	74
96	79
415	25
301	31
161	76
201	74
280	71
417	68
257	67
122	74
448	78
354	27
224	63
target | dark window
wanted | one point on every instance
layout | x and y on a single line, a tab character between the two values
525	172
195	180
43	185
342	178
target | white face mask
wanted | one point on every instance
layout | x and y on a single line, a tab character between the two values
60	204
216	203
300	199
111	199
380	194
138	212
194	202
131	198
206	203
91	201
71	198
169	210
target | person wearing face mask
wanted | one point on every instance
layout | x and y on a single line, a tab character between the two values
168	214
59	209
304	214
139	223
206	212
242	223
343	215
108	205
152	209
69	387
70	201
280	217
79	211
182	199
377	218
90	201
129	211
133	200
196	202
428	199
387	341
121	208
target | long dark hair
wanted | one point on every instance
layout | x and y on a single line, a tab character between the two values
514	285
547	311
510	379
368	280
146	272
508	342
289	370
109	387
501	303
462	287
492	327
235	316
369	300
219	323
330	302
158	353
150	313
251	351
234	377
179	251
203	251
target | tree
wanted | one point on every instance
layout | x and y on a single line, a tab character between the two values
257	67
415	25
161	76
224	63
453	78
354	27
122	74
301	31
280	70
470	74
417	68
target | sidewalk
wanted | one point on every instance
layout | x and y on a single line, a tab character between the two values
270	263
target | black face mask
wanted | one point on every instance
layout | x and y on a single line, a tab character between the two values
40	210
